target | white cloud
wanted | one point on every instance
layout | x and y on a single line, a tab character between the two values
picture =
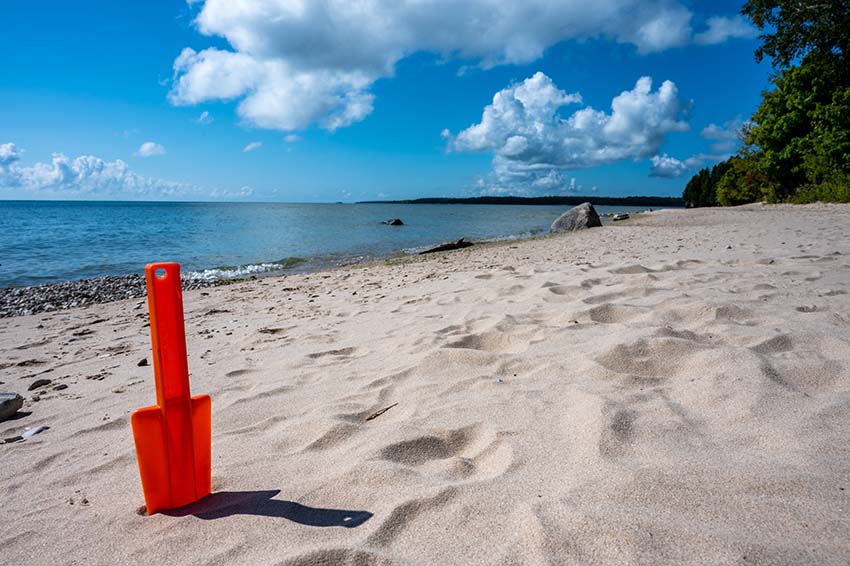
82	175
242	192
670	167
728	131
9	154
150	149
205	118
279	96
295	63
252	146
671	28
725	137
532	142
291	138
721	29
91	176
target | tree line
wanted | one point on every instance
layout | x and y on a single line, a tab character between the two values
796	146
550	200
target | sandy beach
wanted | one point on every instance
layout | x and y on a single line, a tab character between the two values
673	389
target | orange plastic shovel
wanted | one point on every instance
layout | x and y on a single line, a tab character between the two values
173	436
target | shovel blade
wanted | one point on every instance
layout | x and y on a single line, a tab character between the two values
151	452
170	478
202	433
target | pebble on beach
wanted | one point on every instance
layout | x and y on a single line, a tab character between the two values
10	403
18	301
38	383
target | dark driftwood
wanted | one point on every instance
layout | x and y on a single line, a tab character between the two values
377	414
449	246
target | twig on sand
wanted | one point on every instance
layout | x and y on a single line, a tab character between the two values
377	414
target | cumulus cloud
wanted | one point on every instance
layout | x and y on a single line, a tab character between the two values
9	154
725	138
294	63
533	143
252	146
291	138
91	176
83	175
721	29
150	149
205	118
279	96
669	167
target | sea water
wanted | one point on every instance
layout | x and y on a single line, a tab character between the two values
50	241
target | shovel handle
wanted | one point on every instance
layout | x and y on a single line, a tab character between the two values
168	336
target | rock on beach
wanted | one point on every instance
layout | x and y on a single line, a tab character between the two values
578	218
10	403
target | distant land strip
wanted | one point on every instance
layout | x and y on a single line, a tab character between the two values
572	200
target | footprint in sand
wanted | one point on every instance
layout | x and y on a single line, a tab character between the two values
467	454
632	269
618	433
613	314
238	372
775	345
492	341
407	512
339	353
336	435
426	448
654	358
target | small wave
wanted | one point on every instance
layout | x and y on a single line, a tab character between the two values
238	271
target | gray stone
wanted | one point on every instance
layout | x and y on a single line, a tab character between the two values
394	222
38	383
10	403
578	218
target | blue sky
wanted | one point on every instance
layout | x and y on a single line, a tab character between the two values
389	102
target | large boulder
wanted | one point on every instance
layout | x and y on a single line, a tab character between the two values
9	405
578	218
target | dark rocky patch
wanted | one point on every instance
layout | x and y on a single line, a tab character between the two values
462	243
19	301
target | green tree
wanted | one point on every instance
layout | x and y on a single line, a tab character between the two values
701	190
740	183
800	134
792	28
697	192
